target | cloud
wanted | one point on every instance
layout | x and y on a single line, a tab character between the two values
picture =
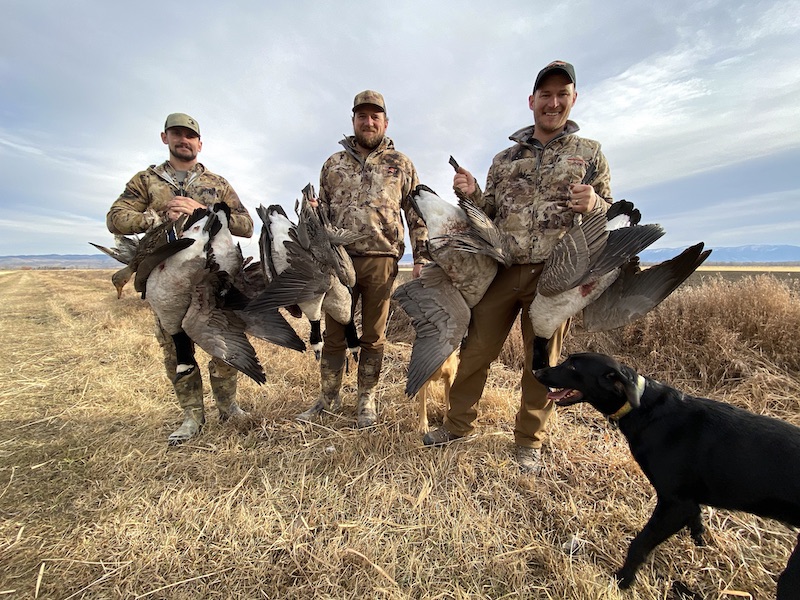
672	91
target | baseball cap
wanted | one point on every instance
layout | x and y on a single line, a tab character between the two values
556	65
369	97
181	120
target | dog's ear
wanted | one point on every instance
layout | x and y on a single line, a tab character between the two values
625	381
630	380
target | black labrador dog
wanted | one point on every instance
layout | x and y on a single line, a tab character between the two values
693	450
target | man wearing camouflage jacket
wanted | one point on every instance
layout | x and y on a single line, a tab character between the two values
533	193
364	188
167	191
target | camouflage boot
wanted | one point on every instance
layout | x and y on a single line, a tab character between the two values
369	373
223	387
331	369
189	390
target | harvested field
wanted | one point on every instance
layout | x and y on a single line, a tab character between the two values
93	504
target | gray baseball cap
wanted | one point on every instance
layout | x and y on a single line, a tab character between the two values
181	120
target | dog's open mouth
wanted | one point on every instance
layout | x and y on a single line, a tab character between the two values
564	396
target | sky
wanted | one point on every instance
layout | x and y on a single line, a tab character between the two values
696	103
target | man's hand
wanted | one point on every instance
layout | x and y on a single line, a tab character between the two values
415	272
581	198
464	182
181	205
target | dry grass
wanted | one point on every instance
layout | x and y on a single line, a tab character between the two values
94	505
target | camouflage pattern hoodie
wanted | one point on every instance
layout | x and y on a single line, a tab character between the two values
156	186
527	189
367	194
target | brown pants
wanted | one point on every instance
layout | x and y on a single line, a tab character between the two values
512	291
374	280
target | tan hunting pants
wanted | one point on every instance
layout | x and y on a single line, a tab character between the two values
512	291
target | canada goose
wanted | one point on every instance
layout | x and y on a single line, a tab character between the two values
463	244
186	285
586	263
306	265
170	288
239	287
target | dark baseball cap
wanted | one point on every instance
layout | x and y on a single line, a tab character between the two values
369	97
556	65
181	120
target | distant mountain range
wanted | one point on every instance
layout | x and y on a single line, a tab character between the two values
59	261
754	254
761	254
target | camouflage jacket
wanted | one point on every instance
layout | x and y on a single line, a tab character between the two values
527	189
367	194
156	186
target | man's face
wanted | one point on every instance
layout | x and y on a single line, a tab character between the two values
369	125
184	144
552	102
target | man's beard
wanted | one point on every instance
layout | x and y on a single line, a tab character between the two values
188	154
369	140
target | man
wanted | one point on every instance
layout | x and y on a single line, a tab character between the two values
167	191
533	193
364	188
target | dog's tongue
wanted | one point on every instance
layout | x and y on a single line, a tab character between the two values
565	397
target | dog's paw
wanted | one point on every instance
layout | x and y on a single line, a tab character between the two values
624	578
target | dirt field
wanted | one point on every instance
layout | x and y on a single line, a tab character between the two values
93	504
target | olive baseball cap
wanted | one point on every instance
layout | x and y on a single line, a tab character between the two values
369	97
181	120
556	65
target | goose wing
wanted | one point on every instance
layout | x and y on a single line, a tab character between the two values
304	280
270	325
621	246
566	265
636	292
220	332
124	251
440	317
127	247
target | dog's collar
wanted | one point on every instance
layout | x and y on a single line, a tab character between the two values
628	407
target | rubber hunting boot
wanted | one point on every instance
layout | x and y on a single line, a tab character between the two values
369	373
331	370
189	390
223	387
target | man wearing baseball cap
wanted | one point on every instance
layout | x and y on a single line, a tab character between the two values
364	188
534	190
177	187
